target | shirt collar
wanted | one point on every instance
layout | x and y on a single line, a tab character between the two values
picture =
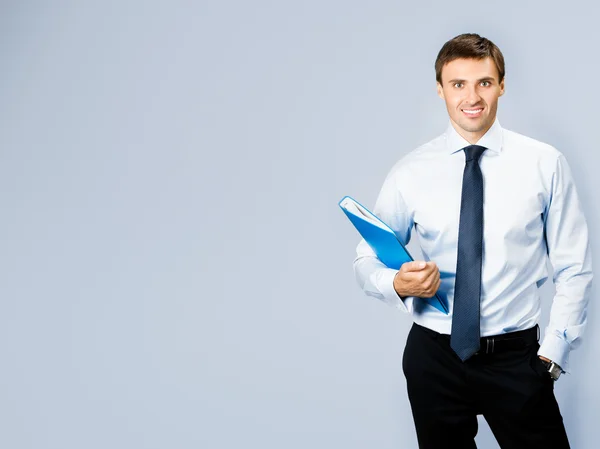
492	139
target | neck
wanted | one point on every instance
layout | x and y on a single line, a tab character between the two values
471	137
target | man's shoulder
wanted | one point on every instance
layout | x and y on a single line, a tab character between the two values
423	152
522	143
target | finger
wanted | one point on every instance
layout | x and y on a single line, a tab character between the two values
435	284
415	265
430	278
431	265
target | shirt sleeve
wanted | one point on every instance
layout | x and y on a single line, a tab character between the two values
569	251
373	277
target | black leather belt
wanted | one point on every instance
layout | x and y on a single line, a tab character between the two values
508	341
498	343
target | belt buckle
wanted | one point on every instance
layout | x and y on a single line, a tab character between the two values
490	344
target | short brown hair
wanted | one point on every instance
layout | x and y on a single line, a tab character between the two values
469	46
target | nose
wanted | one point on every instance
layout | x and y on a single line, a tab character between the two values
472	96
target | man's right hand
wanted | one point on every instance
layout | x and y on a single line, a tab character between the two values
417	278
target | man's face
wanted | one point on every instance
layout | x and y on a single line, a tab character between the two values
471	89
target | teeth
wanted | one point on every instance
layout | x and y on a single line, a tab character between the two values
473	111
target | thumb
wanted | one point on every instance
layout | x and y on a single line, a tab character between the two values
415	265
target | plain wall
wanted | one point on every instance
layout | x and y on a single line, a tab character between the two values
175	270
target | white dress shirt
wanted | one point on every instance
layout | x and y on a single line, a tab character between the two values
531	210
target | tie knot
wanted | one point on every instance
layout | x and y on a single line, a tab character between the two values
473	152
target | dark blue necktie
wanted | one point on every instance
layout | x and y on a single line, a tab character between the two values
465	335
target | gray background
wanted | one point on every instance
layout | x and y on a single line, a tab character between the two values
176	272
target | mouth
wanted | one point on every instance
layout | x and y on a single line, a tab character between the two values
472	112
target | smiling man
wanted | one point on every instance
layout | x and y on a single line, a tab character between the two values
490	206
472	103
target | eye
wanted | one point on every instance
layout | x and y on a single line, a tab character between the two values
458	85
485	83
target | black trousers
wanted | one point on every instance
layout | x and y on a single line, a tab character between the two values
509	387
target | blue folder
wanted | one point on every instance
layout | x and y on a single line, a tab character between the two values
383	241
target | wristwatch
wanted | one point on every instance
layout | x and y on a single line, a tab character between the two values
553	369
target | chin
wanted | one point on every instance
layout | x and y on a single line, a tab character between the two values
472	128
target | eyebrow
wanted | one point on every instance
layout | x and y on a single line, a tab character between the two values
487	78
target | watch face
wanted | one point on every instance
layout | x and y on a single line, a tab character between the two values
554	371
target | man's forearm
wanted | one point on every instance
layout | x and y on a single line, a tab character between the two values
568	317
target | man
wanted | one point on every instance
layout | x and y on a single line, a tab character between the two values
489	205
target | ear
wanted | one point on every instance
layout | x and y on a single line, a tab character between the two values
440	91
502	87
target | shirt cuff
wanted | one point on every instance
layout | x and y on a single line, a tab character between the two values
556	349
385	283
